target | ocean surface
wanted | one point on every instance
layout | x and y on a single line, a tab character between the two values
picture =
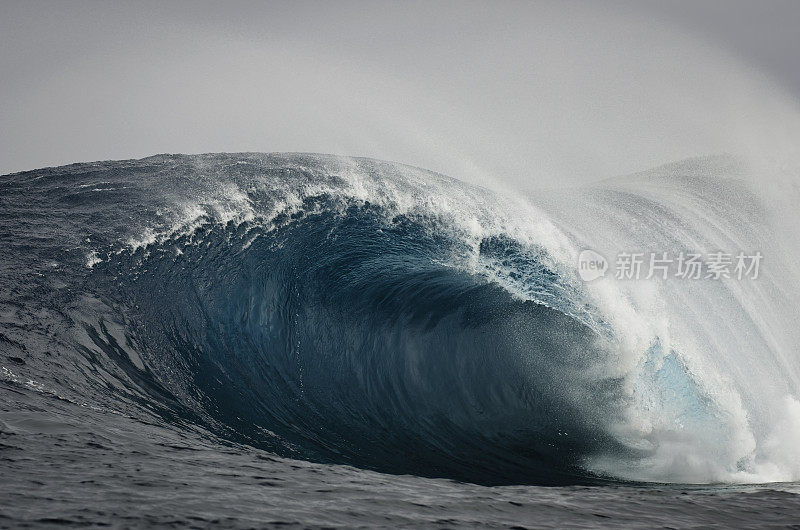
253	340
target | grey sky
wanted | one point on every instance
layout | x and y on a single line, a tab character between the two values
486	91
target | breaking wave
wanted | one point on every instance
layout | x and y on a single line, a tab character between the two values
351	311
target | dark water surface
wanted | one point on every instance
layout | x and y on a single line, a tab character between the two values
295	340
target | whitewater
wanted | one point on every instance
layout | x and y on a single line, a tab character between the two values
334	329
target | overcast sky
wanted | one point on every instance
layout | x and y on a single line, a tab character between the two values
510	91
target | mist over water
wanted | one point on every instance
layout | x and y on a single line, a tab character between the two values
522	95
712	365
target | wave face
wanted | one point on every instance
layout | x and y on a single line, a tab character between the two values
350	311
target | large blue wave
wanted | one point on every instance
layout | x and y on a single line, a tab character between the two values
350	311
340	336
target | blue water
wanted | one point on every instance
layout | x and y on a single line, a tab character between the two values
180	330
